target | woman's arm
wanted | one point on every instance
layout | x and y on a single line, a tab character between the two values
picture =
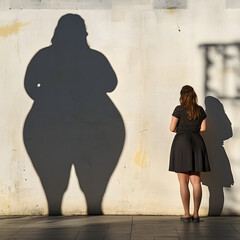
173	125
203	127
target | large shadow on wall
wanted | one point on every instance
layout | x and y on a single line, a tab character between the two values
72	120
221	80
219	130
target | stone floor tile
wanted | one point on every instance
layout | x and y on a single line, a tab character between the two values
117	228
166	238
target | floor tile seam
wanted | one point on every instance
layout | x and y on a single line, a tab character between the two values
31	218
235	228
77	235
130	235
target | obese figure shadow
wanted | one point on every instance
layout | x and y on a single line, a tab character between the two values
72	120
219	129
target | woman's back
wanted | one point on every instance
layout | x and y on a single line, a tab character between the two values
186	125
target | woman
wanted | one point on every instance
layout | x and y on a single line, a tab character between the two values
188	153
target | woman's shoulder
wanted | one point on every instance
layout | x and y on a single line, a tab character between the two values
178	111
180	107
203	113
201	108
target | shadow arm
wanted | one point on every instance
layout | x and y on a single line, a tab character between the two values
106	73
34	76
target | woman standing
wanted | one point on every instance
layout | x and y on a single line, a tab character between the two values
188	153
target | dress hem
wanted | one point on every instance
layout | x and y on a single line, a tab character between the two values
189	171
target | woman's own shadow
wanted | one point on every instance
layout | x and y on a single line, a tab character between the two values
72	120
219	129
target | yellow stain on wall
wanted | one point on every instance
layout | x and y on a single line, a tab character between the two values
141	159
14	28
171	11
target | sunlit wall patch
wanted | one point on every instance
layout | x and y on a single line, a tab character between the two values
170	4
61	4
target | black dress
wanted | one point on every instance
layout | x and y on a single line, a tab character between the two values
188	151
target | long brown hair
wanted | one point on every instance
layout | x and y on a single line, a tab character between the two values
188	99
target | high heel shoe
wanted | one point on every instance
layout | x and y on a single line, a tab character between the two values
195	220
185	219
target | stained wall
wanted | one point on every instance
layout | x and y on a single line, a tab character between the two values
154	47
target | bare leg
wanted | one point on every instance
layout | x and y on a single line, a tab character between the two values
184	191
197	191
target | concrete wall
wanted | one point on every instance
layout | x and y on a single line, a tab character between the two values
154	48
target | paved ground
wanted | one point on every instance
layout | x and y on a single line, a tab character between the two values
117	228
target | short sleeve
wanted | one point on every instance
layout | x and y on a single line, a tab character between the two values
176	112
203	114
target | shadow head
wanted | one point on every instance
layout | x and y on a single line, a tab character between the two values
70	30
217	118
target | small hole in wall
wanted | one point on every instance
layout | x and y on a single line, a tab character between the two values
38	85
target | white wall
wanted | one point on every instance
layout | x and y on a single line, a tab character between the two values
154	52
